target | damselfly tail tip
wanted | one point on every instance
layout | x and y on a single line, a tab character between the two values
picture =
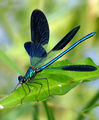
91	68
93	33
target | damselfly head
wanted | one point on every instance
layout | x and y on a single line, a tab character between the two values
21	79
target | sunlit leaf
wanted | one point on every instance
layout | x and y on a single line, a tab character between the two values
60	82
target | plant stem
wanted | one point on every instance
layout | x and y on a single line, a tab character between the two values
91	102
35	112
48	111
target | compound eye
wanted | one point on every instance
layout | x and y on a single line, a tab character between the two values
20	78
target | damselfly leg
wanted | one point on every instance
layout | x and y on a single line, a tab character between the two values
39	83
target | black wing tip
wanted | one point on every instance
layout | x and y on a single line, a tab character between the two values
37	11
93	68
39	27
77	27
67	38
81	68
26	43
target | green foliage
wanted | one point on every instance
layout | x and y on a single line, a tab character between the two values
9	62
62	16
60	82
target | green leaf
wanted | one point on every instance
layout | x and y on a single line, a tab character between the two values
60	82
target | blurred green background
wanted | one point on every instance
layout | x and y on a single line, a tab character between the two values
62	16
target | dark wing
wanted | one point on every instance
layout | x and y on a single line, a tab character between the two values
39	37
60	45
74	68
35	50
39	28
68	37
66	51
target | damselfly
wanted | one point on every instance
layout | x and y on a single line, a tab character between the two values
38	54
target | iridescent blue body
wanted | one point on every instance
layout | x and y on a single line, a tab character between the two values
31	73
67	50
38	54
